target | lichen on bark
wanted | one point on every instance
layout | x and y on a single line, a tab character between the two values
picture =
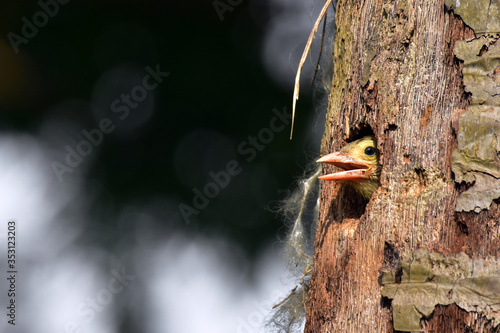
430	278
477	157
481	15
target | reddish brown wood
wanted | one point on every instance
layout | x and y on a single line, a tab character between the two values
453	319
395	74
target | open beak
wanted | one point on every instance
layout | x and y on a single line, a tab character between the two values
355	170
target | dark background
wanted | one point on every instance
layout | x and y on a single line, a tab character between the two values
225	78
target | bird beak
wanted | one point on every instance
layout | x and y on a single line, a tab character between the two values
355	170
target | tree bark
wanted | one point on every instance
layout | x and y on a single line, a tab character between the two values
395	76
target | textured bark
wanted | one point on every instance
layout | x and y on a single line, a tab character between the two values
396	76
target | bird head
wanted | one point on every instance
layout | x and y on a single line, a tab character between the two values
360	162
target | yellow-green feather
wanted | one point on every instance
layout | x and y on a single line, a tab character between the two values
356	150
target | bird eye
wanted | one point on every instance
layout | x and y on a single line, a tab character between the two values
370	151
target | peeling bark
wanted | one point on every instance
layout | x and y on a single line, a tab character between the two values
427	279
396	76
477	158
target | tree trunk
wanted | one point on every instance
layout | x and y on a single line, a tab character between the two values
397	76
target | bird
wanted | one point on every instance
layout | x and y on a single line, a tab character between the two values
360	162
